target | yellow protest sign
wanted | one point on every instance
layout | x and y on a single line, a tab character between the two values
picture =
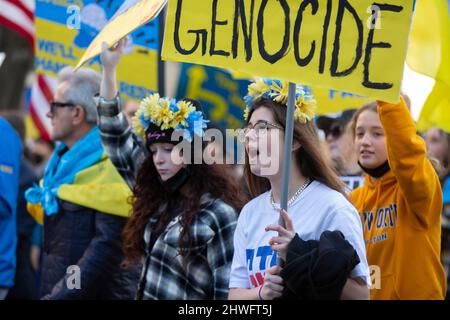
332	101
356	46
121	25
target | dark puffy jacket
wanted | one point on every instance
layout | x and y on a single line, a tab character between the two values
91	240
318	270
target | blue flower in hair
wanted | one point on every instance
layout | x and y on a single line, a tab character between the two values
195	126
144	121
173	106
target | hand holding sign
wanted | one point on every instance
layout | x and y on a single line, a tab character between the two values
111	57
285	235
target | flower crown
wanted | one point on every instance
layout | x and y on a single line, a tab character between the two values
277	91
167	113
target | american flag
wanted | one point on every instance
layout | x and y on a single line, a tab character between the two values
18	15
41	94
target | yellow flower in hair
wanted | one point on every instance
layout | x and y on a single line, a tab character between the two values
258	88
304	111
149	104
300	116
184	109
281	92
136	123
163	114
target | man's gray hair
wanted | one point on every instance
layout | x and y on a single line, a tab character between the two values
83	85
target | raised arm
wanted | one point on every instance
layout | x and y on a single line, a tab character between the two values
110	59
121	145
408	160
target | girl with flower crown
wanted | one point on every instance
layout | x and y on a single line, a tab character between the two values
317	204
184	214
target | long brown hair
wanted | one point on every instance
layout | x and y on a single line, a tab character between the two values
373	106
149	196
309	158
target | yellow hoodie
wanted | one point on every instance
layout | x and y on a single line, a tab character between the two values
401	214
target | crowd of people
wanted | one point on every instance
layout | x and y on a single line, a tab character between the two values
113	208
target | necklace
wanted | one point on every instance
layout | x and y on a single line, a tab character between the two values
294	197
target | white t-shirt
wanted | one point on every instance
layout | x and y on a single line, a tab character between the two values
317	209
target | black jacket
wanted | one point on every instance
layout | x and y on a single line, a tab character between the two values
90	240
318	269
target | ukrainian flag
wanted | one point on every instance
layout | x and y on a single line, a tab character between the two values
99	187
429	54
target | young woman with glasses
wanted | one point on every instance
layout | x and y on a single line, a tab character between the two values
317	202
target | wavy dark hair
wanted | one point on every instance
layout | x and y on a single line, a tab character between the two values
309	158
149	195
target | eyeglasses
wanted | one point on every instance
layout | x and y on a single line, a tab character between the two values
55	104
260	129
335	131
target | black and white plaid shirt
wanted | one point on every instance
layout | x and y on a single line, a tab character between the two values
124	149
165	275
205	273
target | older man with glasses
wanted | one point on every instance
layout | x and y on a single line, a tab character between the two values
82	202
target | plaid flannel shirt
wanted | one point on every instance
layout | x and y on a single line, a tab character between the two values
124	149
205	273
165	275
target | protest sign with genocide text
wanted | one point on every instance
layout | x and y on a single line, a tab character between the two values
357	46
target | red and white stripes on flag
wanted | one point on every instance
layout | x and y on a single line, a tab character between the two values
18	15
41	95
